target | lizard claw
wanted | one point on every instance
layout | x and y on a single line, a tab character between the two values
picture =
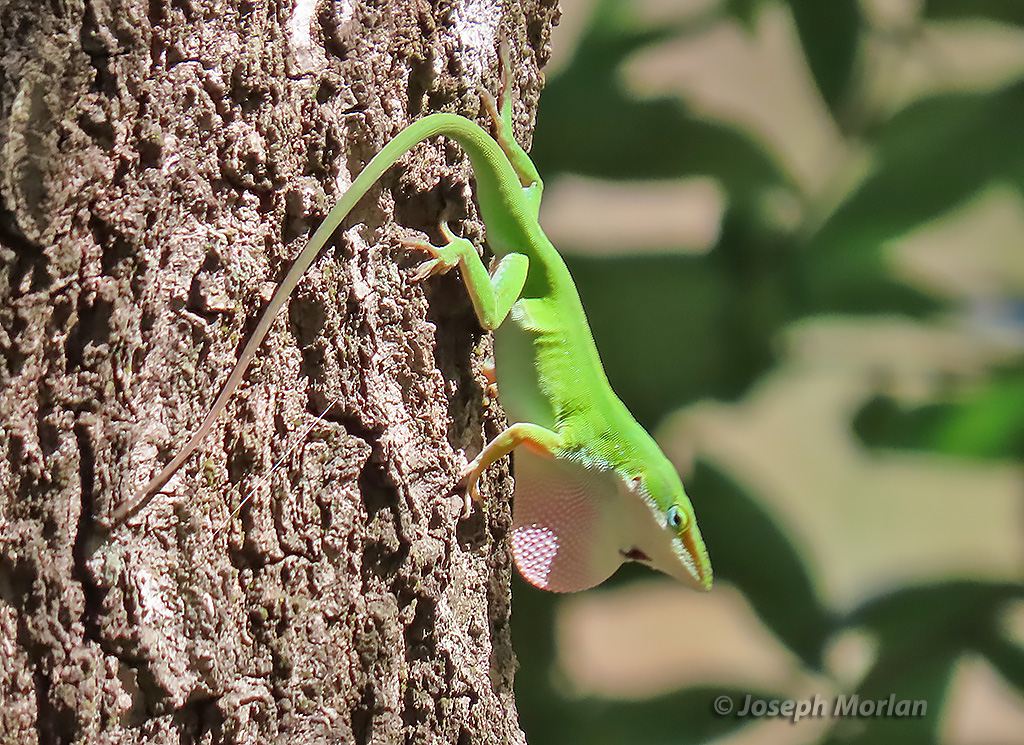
500	110
468	480
428	269
441	263
491	105
505	58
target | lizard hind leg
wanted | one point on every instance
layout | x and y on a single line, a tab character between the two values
500	113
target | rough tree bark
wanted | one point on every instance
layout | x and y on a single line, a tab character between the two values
161	162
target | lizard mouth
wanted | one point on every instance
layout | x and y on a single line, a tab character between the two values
635	554
701	569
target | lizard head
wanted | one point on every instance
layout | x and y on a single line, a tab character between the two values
671	541
574	523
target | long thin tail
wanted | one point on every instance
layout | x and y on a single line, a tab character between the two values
477	143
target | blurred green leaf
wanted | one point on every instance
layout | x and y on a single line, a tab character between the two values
664	313
533	639
921	633
748	549
744	11
883	422
912	677
829	34
627	138
1007	658
704	325
1010	11
675	328
929	158
548	716
947	615
676	719
990	424
985	423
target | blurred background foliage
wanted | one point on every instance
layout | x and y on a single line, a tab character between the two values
796	227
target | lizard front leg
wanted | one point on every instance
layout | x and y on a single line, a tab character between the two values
540	440
493	294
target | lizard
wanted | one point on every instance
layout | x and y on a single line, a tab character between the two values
592	487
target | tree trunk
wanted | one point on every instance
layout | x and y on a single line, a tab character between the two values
161	163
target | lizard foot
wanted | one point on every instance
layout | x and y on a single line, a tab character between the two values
468	480
500	111
445	258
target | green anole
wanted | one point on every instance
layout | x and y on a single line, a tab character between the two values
592	488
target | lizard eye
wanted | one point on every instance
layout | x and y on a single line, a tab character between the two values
676	518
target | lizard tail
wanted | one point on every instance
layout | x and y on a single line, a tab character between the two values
479	146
